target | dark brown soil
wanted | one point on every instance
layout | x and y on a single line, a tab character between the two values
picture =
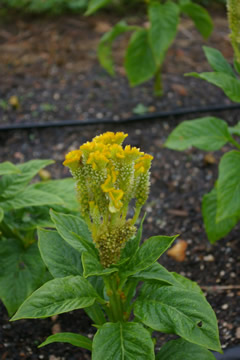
178	179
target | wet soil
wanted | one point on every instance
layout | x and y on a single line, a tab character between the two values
179	180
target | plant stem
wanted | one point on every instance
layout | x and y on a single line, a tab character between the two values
115	301
235	143
96	314
158	86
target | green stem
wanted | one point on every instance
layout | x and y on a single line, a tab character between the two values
96	314
235	143
115	301
158	86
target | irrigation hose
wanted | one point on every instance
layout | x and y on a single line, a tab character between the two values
153	116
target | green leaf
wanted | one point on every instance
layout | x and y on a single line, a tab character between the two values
63	188
217	61
174	310
132	244
164	19
10	185
147	254
92	267
235	130
139	61
105	45
21	272
1	214
200	17
31	197
227	83
7	168
122	341
208	133
75	231
237	66
58	296
181	349
214	230
94	5
228	187
60	258
158	273
186	283
70	338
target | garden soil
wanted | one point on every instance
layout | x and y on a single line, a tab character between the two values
50	74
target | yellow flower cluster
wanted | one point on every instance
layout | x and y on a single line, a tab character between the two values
108	177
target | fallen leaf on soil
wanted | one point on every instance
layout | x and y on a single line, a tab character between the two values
14	102
180	89
209	159
102	27
56	328
178	251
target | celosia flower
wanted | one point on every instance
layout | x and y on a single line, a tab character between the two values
108	177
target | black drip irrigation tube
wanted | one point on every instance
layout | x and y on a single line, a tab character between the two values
154	116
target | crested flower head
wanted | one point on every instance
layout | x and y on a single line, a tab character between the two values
108	177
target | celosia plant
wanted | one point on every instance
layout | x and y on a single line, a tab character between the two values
97	263
108	178
221	206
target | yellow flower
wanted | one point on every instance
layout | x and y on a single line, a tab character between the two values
98	160
108	178
111	138
143	164
73	158
115	203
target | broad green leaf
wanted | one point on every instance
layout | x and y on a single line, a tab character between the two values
214	230
122	341
147	254
208	133
31	197
21	272
63	188
228	187
132	244
70	338
28	219
58	296
60	258
200	17
1	214
227	83
186	283
217	61
174	310
10	185
75	231
139	61
94	5
7	168
105	45
164	19
183	350
235	129
158	273
92	267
